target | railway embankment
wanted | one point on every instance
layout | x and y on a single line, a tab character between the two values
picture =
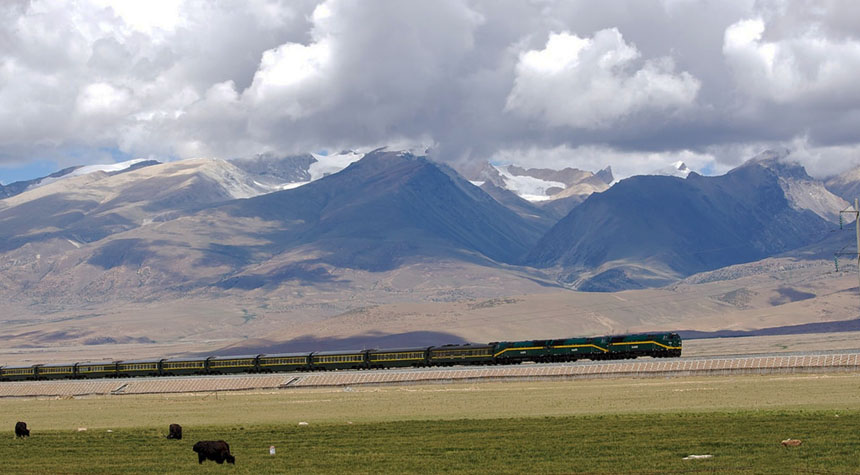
640	368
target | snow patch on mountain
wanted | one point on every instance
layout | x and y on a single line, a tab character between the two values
527	187
329	164
87	169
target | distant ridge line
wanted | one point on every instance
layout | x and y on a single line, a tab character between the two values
804	328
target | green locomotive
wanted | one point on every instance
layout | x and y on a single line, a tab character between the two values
657	345
541	351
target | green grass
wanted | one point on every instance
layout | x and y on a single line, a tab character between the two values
741	442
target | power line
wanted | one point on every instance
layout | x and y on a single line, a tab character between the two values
856	213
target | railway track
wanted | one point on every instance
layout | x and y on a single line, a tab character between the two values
772	363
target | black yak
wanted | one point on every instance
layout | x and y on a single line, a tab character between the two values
21	430
216	450
175	432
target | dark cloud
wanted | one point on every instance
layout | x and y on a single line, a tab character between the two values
633	84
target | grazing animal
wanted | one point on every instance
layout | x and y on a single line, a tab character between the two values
21	430
791	443
216	450
175	432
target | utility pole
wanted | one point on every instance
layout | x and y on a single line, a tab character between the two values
856	213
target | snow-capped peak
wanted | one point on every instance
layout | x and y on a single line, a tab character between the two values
678	169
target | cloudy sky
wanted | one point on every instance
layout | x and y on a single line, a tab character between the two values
633	84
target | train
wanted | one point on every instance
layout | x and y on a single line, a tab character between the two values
656	345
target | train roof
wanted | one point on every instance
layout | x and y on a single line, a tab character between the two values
338	352
56	365
186	358
95	363
157	360
233	357
286	355
399	350
462	346
20	366
640	334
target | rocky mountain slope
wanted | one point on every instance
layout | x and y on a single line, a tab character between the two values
544	218
845	185
206	226
391	205
19	187
88	207
802	191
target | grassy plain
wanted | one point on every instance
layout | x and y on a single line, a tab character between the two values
740	442
597	426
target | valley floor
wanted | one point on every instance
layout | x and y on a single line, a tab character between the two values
768	296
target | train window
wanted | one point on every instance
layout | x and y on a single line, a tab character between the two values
18	371
283	361
339	359
56	370
396	356
184	365
94	369
138	367
231	363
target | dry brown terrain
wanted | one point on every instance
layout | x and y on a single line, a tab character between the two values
771	293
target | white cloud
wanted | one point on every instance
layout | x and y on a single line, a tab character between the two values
371	75
594	82
103	99
805	67
148	16
616	82
287	74
824	161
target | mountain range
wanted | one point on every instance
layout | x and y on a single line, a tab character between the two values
648	231
309	237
